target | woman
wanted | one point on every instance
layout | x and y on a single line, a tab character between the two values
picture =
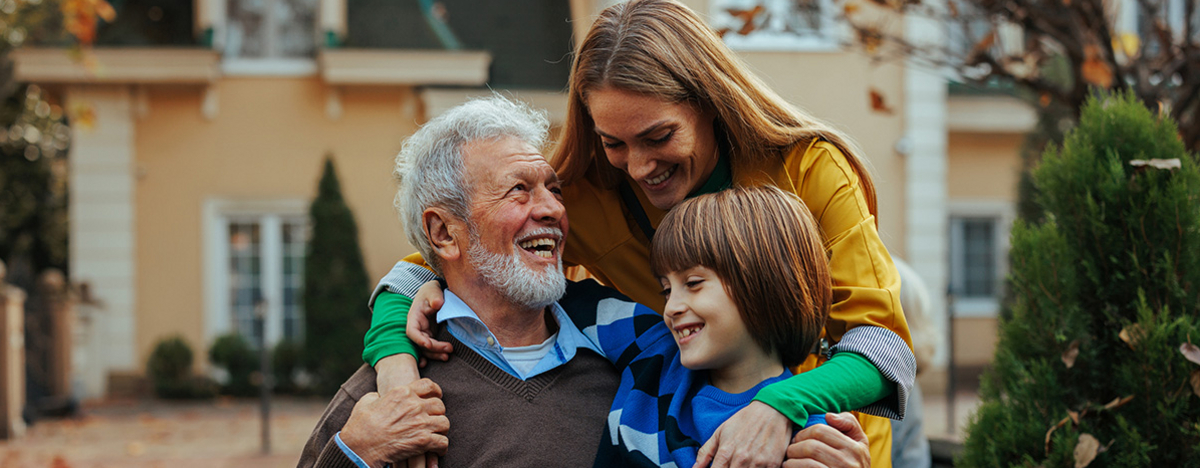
659	110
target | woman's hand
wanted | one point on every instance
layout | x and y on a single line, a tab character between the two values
421	318
840	444
756	435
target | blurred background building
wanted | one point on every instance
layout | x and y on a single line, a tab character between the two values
201	127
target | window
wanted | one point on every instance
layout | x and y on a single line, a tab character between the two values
255	265
775	24
978	256
270	36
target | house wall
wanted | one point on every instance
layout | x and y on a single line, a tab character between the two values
267	141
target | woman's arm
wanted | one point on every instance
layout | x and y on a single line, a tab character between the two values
865	317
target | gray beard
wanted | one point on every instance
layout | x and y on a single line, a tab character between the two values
516	281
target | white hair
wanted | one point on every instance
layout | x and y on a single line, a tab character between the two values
429	168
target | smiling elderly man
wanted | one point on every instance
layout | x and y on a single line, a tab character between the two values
480	202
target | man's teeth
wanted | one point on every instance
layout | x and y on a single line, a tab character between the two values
686	332
661	177
537	244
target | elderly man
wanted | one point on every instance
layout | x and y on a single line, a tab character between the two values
524	387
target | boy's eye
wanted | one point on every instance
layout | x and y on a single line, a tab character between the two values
666	293
694	283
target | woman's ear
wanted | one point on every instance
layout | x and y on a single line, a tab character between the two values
441	228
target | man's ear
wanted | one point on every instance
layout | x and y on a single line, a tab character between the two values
441	229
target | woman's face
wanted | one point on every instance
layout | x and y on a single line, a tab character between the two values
668	149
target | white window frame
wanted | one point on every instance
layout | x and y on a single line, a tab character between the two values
826	38
217	12
217	214
1004	214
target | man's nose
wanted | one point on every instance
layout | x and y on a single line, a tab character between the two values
547	206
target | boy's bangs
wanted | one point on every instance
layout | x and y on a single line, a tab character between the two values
678	243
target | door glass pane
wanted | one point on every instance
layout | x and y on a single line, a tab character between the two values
245	270
295	237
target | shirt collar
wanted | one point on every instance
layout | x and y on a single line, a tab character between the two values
465	325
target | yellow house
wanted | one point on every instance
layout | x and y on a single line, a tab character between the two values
189	191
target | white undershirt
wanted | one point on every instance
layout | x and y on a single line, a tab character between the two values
523	358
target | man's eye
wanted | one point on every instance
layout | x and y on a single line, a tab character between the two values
518	188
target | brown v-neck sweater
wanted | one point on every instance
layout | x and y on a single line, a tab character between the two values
553	419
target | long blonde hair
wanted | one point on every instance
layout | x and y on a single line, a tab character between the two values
662	48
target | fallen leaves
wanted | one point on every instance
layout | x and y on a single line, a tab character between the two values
1095	69
1195	381
1072	352
1086	450
1165	164
1191	352
878	102
1132	334
1118	402
1053	428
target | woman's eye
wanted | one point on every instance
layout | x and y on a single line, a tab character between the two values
517	188
666	293
694	283
662	139
610	144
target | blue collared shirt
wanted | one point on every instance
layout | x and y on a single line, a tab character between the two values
465	325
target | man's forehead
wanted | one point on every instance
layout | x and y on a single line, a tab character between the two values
505	157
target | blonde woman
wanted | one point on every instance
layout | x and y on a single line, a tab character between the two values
661	110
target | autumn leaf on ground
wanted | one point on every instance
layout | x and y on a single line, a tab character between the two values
1195	381
870	39
1191	352
1095	70
850	8
1118	402
879	103
952	5
1068	356
1132	334
1053	428
59	462
1172	163
1086	450
1044	99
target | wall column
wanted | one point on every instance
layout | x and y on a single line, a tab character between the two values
102	254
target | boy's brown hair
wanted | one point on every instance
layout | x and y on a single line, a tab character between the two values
768	251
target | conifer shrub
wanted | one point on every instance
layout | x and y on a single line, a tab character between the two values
335	289
1092	365
170	369
234	354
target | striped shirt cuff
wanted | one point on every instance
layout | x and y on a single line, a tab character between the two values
404	279
888	352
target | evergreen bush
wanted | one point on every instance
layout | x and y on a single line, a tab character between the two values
335	289
285	364
1090	369
233	353
170	369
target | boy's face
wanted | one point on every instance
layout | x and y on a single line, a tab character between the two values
708	329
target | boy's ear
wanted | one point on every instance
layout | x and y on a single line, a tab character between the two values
443	231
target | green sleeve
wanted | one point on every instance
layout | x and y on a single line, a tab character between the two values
845	382
386	336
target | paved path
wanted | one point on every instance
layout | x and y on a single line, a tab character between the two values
153	434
